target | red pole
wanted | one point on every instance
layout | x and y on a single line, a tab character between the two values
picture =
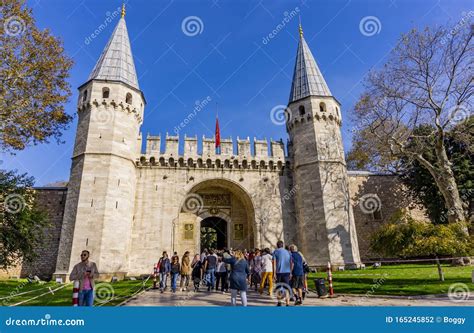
331	290
75	294
155	268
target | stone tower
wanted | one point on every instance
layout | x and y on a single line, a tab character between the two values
326	231
101	190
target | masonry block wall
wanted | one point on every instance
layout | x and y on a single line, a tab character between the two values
52	200
147	239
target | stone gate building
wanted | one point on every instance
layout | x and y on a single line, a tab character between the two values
125	205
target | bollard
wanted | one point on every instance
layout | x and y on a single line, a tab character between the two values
331	290
155	269
75	294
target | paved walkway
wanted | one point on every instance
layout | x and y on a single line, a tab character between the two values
204	298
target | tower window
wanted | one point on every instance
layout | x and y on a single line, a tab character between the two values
84	96
337	112
128	98
105	92
301	109
322	107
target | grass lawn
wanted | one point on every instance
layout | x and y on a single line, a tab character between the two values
403	280
15	291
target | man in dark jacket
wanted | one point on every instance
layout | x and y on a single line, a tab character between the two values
164	268
210	268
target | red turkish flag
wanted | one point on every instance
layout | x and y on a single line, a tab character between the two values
218	134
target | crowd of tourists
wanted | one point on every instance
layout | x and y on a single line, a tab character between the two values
281	273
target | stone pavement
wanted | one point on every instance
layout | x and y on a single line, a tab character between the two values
203	298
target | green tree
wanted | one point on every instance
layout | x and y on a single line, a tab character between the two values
21	221
420	183
427	80
208	238
406	237
33	73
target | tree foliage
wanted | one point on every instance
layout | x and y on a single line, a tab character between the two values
21	221
406	237
33	73
420	184
427	81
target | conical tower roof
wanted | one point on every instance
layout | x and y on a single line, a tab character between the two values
116	61
307	78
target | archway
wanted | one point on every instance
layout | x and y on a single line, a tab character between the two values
213	233
225	209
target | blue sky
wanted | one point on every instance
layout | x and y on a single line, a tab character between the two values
227	61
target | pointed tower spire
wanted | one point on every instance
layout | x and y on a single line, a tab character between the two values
116	61
307	78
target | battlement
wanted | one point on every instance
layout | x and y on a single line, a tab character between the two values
232	157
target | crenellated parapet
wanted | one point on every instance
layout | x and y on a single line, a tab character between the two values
268	155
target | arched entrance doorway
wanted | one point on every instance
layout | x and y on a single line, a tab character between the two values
215	213
213	233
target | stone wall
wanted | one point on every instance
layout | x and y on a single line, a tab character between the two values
369	191
52	199
159	220
157	205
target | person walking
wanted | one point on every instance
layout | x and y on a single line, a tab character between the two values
185	271
175	271
306	270
282	265
238	277
221	275
204	255
297	274
267	271
196	274
210	268
256	269
85	272
175	254
164	268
